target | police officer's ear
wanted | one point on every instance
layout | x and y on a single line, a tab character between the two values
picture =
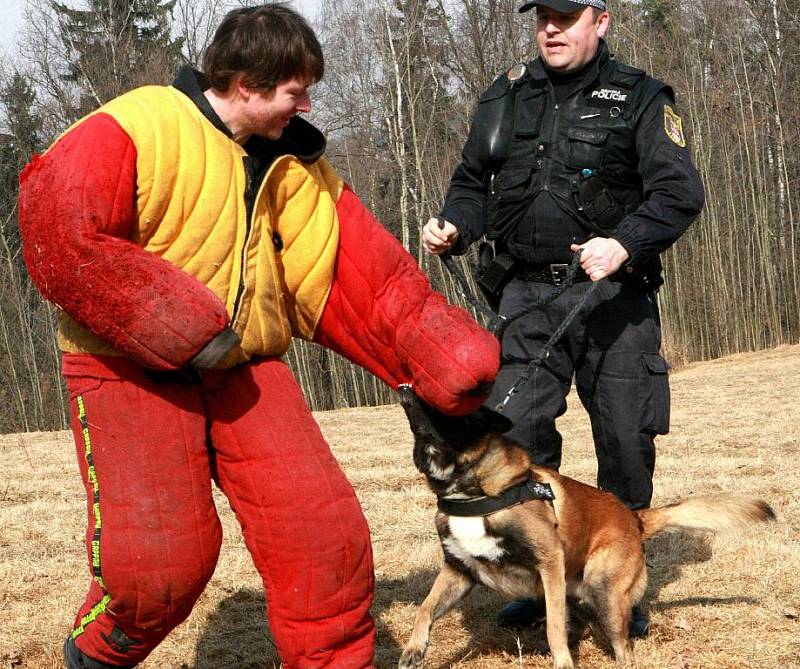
602	22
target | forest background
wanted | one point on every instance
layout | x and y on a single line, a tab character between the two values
402	78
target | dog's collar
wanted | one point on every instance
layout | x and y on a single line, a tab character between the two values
486	506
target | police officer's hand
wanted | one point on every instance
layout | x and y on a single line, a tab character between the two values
601	257
438	239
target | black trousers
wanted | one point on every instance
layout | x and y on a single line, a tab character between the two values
611	349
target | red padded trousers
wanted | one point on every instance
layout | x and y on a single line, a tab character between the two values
148	448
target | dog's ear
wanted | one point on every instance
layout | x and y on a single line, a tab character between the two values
501	467
495	422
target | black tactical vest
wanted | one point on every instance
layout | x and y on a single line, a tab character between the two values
581	151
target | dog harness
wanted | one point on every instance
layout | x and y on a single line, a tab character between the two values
526	491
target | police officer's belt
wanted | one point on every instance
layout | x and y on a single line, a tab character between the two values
552	273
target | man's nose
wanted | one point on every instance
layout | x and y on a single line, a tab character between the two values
304	104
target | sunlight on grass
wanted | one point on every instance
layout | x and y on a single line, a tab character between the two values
724	603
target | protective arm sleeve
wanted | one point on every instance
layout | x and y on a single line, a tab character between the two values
382	314
76	210
672	190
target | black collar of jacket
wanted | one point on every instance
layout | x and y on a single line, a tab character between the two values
486	506
541	77
300	138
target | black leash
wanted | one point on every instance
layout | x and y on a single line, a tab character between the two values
569	280
498	324
495	320
533	365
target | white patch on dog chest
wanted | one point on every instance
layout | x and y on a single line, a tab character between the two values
468	539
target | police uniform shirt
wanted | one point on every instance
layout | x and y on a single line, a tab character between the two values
671	190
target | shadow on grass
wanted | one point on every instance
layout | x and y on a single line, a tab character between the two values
237	635
666	556
476	614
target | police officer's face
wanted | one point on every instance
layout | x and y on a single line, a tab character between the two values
568	41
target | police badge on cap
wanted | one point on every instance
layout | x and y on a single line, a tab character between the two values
565	6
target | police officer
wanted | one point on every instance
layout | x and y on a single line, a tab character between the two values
577	151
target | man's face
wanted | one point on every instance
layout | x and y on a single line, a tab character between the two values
268	113
568	41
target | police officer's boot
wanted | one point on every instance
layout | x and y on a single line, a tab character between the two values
522	613
77	660
639	625
528	612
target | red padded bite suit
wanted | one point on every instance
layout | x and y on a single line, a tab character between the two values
141	304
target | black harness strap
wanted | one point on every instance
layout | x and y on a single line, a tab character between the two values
485	506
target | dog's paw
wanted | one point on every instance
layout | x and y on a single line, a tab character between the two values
411	658
564	662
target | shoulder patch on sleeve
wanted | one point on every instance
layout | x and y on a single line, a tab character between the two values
673	126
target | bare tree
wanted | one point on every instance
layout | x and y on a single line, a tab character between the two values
401	85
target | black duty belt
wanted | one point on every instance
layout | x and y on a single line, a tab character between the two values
552	273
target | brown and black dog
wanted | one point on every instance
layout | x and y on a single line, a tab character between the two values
583	543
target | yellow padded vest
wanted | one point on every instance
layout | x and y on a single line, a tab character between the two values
191	212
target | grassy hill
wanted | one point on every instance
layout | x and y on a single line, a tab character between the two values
717	603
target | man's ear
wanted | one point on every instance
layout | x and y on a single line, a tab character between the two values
240	88
602	24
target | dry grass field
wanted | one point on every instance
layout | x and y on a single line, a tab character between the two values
716	603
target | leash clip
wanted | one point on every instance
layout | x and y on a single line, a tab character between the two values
501	407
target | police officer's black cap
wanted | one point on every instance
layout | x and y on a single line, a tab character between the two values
565	6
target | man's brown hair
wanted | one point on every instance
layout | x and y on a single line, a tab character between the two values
267	44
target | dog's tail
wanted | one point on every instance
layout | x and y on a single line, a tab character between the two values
709	513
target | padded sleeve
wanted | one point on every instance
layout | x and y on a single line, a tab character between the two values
383	314
76	210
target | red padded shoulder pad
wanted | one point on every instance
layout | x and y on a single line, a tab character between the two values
76	210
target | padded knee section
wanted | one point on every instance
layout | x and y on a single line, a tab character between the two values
319	606
153	535
121	624
301	520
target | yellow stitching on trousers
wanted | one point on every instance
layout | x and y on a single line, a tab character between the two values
90	617
92	474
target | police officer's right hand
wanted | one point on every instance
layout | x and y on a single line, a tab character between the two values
438	236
